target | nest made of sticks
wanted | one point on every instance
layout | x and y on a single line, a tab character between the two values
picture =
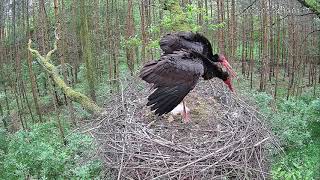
226	137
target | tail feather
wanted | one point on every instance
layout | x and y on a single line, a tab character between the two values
164	100
169	106
159	92
162	104
160	95
167	99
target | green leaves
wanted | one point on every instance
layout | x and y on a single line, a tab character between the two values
178	19
296	124
300	165
133	42
314	110
216	26
40	153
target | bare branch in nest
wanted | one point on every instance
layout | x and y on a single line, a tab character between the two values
75	96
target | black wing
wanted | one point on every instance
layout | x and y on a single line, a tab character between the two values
186	40
174	76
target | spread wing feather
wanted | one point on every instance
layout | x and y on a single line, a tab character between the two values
186	40
173	77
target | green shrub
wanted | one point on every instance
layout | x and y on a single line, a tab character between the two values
296	122
303	164
293	120
40	154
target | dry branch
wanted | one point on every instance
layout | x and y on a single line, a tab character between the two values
52	70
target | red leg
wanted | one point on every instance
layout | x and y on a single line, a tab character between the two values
185	114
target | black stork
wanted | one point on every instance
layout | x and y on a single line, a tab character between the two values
187	57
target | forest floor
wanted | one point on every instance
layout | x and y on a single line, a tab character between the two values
226	137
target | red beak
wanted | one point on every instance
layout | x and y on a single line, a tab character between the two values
229	84
226	64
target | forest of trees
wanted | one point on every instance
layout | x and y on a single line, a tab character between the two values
61	59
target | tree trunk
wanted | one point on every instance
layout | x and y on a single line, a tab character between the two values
278	55
264	57
130	34
143	32
233	29
220	5
86	49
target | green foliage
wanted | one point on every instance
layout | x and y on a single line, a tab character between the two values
40	154
314	110
314	3
290	119
296	123
178	19
3	142
133	42
264	100
154	44
303	164
216	26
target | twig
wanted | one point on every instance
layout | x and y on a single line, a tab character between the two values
191	163
262	141
245	9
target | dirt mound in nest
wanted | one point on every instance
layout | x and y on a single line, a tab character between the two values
225	138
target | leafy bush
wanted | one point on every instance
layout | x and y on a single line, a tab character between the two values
40	153
313	110
303	164
296	123
3	148
290	119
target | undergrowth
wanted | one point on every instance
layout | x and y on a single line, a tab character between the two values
41	154
296	122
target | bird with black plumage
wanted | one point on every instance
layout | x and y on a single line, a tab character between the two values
186	57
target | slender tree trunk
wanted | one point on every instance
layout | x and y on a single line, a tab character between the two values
143	32
221	18
129	34
278	55
18	79
243	56
200	16
233	34
271	46
264	47
251	49
86	49
31	73
57	110
60	26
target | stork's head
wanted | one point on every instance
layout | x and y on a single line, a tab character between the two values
229	84
226	76
223	60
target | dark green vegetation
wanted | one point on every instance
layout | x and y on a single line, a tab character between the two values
275	49
41	153
296	122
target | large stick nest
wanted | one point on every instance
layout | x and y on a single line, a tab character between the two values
226	137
